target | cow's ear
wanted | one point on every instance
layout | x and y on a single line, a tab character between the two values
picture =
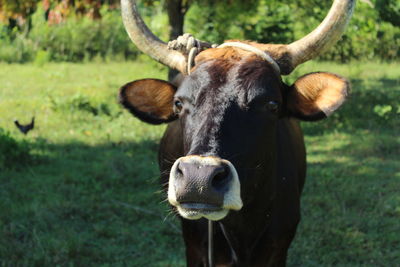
150	100
316	95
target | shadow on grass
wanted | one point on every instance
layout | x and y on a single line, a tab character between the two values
82	204
350	204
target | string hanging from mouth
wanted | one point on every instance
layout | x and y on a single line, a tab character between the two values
210	243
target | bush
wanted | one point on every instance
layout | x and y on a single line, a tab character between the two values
12	153
367	37
14	47
82	39
82	103
77	39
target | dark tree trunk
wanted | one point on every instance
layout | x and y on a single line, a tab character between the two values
12	23
176	15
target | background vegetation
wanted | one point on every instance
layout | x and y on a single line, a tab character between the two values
82	187
79	30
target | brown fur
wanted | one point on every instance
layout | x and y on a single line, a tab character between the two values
277	51
151	96
317	92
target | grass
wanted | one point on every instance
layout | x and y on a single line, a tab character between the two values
351	206
89	194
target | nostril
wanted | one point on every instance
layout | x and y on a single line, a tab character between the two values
179	170
221	178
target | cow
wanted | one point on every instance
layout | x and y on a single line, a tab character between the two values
233	150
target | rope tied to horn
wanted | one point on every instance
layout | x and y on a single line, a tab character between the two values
188	45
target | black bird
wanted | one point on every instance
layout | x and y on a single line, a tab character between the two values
25	128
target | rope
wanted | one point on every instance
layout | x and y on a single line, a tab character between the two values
264	55
192	54
210	243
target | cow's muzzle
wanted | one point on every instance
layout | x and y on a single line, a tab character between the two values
204	187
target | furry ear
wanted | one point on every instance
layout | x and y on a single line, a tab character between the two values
150	100
316	95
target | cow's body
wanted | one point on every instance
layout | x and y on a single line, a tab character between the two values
233	152
271	169
234	115
259	234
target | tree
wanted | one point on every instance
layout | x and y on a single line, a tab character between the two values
389	11
18	12
15	12
177	9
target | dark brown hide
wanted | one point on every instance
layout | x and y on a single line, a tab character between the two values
260	234
225	112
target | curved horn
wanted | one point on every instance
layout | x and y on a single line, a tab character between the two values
325	35
146	41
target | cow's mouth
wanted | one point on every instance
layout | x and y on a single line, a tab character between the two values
195	211
200	207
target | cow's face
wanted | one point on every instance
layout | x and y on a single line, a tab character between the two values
228	111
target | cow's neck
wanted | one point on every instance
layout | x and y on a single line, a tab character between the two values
244	230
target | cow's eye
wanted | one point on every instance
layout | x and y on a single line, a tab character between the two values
177	106
273	106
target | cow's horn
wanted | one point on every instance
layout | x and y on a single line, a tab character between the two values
146	41
325	35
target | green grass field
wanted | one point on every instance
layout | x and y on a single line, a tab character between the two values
88	193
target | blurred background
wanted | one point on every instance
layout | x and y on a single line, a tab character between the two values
81	30
79	183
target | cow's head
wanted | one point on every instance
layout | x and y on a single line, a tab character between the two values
229	107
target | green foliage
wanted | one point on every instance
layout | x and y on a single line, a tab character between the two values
82	103
264	21
370	35
12	153
213	21
14	47
11	9
271	24
366	37
42	57
77	39
389	10
383	111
